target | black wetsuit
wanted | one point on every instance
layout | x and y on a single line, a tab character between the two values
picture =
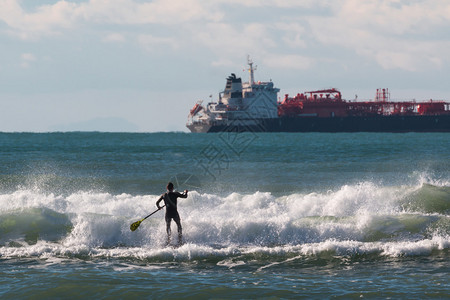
170	199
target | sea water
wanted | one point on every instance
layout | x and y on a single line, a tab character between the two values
269	215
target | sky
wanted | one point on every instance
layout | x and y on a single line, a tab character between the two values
139	66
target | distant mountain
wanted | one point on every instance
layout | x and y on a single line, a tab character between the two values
108	124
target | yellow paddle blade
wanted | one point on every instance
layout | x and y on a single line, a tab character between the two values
135	225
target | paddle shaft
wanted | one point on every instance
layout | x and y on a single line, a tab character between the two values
152	213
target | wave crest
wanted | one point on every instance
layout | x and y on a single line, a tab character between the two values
353	220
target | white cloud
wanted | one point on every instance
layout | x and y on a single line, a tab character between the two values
54	19
154	43
46	20
221	62
296	62
26	59
292	34
114	38
272	3
395	17
232	41
154	12
394	34
408	35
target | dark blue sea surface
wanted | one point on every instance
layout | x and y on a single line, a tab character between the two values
281	215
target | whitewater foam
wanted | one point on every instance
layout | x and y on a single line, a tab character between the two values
352	220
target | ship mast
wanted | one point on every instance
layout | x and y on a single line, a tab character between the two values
251	70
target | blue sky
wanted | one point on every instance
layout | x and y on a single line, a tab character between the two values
139	65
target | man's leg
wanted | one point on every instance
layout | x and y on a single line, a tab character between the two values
168	230
180	230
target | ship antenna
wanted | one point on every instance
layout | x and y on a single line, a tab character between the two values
251	69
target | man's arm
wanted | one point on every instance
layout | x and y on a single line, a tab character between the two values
183	195
159	200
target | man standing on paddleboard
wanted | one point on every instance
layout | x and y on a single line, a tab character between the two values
170	199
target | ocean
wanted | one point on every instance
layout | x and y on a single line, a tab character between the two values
269	215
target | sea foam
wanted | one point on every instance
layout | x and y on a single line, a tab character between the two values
352	220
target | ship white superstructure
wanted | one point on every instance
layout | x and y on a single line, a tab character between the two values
239	104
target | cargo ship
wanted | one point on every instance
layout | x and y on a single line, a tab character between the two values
254	107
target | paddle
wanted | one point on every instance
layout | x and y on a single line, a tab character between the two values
136	224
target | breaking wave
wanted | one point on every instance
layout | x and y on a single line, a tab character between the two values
354	220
